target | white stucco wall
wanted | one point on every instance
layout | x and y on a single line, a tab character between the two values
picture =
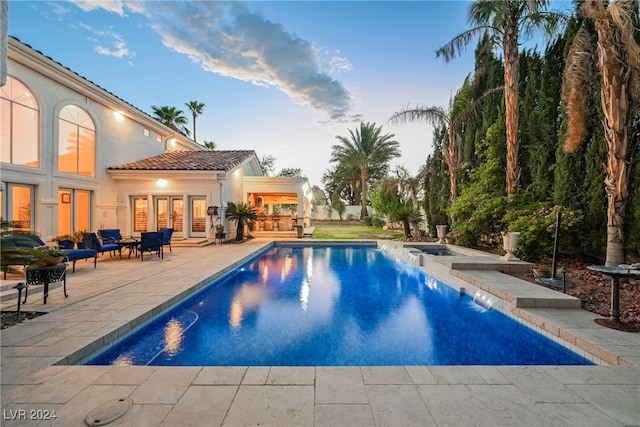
117	142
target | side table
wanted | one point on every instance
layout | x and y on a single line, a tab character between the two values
44	276
220	237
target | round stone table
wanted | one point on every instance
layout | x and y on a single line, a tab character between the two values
616	273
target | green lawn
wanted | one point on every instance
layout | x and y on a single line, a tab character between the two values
348	231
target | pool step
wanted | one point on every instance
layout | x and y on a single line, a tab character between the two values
519	293
199	242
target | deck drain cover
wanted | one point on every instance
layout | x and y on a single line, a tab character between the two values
108	412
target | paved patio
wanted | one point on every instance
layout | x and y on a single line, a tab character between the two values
108	301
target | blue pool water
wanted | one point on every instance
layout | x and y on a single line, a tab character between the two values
332	306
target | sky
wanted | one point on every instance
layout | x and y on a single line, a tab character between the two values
281	78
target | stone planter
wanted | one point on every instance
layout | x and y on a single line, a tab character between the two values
442	232
510	245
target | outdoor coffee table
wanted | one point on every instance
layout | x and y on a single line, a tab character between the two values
131	244
44	276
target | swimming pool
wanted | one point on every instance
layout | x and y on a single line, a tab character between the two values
332	306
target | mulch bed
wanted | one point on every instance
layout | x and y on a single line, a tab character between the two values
594	290
9	317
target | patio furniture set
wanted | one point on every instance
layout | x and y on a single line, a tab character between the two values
111	242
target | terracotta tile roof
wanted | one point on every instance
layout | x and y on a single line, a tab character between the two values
191	160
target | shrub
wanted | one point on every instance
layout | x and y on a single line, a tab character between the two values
376	221
477	218
367	220
536	223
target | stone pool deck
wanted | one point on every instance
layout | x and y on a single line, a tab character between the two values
108	301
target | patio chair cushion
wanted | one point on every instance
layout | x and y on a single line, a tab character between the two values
73	255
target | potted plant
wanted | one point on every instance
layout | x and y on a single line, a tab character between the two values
219	229
48	255
65	241
78	239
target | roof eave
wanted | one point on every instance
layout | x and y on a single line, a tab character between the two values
121	174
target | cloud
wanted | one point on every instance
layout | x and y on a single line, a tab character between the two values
115	6
118	47
228	39
120	50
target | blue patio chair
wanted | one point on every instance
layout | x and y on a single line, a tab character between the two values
151	241
168	232
110	235
92	242
72	255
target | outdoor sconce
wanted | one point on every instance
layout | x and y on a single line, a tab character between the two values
212	210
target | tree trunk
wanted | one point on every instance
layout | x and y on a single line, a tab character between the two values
363	178
615	74
240	231
511	67
451	155
194	127
407	228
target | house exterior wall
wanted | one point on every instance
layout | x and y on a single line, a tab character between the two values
151	185
136	137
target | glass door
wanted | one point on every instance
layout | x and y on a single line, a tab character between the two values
170	214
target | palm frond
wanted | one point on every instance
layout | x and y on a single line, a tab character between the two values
457	45
434	115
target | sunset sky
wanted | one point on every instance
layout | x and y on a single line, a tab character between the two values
281	78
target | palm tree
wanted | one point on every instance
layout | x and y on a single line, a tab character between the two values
619	65
196	109
209	145
242	214
408	185
172	117
408	215
503	21
366	148
450	118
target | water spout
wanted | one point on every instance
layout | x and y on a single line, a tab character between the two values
484	299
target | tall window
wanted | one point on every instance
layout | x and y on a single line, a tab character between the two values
16	205
198	214
77	142
19	125
139	214
73	211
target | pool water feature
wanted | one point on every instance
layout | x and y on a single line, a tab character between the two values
332	306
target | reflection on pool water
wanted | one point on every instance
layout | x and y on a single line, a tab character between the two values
333	306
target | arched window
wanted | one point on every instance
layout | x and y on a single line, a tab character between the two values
76	142
19	125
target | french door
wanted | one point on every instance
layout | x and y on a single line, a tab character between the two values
170	213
